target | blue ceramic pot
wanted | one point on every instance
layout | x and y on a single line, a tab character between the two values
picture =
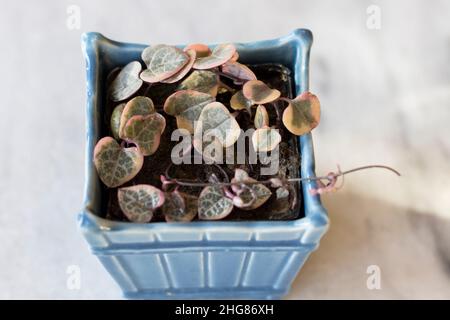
203	259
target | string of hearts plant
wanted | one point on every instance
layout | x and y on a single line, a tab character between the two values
198	72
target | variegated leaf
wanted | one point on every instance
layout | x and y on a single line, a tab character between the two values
201	50
127	82
201	80
139	202
302	114
238	70
259	93
210	148
265	139
261	117
187	105
253	195
116	165
162	62
220	54
137	106
239	102
115	119
215	120
184	71
145	132
180	207
213	204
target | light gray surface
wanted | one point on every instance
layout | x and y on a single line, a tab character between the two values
386	99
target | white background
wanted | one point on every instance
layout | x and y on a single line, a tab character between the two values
385	96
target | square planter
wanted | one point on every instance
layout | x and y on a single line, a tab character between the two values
202	259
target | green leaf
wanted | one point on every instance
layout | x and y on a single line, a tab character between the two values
251	196
210	148
201	50
238	70
127	82
213	204
261	117
184	71
115	119
259	93
116	165
137	106
220	54
265	139
187	105
139	202
302	114
162	62
215	120
179	207
201	80
239	102
145	132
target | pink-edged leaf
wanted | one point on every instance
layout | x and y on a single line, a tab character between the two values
201	80
220	54
238	70
180	207
201	50
137	106
139	202
259	92
184	71
302	114
126	83
115	119
186	106
145	132
215	120
213	204
239	102
235	57
265	139
261	119
116	165
162	62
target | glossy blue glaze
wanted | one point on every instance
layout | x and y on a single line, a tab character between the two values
203	259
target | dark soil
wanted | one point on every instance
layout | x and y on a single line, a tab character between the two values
288	208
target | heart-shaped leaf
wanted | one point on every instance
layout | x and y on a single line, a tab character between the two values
220	54
162	62
259	93
302	114
201	50
239	101
115	119
116	165
126	83
265	139
139	202
138	106
201	80
238	70
215	120
187	105
184	71
179	207
145	132
213	204
251	196
261	117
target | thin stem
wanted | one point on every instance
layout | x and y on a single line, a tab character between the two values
329	177
236	80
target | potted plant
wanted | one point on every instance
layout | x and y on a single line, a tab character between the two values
251	233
